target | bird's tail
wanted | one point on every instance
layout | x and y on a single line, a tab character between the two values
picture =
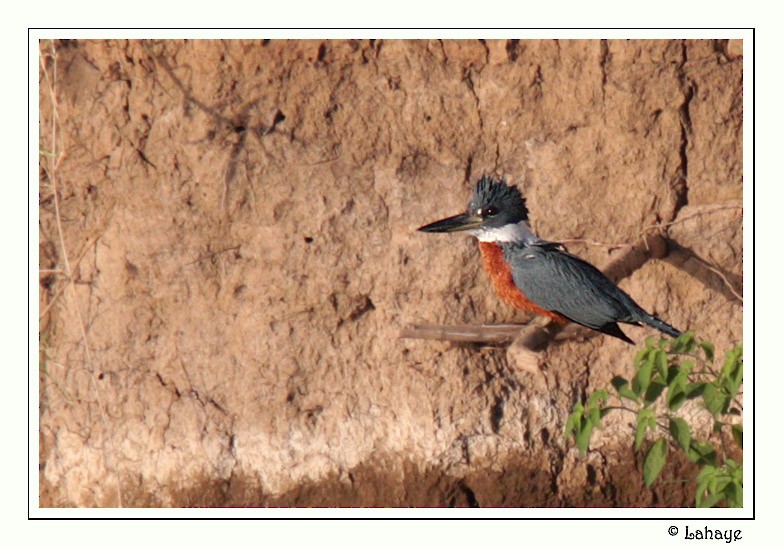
660	325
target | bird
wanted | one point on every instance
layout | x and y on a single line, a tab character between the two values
539	276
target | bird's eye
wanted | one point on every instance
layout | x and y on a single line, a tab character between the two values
490	211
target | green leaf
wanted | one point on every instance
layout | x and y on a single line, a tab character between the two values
701	452
628	393
643	376
732	360
703	478
737	435
584	437
738	378
654	461
711	500
708	349
733	490
718	483
683	343
737	474
680	431
598	398
574	421
619	382
734	494
639	436
673	373
675	398
706	486
594	418
705	474
694	390
662	363
654	391
642	356
686	366
689	341
715	398
679	373
733	382
644	417
676	388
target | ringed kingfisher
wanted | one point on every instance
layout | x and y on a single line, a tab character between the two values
536	275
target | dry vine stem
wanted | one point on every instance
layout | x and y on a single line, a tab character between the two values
51	173
660	227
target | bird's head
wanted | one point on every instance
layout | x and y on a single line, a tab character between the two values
496	213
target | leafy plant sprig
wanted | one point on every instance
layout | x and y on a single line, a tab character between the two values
667	374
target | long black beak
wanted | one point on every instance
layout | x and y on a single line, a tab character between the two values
462	222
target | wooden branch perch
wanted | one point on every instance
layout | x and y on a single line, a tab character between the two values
466	333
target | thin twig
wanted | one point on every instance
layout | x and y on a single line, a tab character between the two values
622	408
65	274
721	275
211	255
682	219
652	228
52	301
484	333
608	245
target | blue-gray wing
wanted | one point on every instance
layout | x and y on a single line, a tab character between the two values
560	282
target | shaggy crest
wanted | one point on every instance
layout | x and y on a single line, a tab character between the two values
506	199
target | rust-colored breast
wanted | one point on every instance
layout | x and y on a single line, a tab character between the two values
501	275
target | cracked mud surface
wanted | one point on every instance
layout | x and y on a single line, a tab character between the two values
238	222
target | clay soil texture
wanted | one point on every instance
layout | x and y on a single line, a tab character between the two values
228	255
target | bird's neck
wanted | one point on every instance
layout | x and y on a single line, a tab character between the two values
511	233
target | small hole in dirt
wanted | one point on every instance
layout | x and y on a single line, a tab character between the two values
591	470
308	239
545	437
322	52
100	376
279	117
470	496
266	42
497	414
290	397
48	281
512	52
239	129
